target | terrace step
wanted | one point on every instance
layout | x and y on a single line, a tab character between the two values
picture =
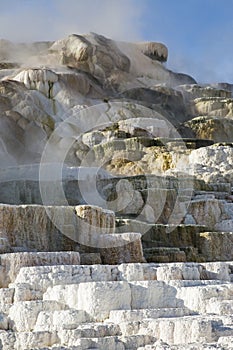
180	331
119	316
164	255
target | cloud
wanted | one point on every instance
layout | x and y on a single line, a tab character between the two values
50	20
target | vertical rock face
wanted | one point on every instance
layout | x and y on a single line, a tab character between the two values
120	248
29	227
38	79
39	228
99	220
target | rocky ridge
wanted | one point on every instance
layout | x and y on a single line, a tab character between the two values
116	199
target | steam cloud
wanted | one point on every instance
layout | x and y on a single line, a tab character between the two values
197	32
28	20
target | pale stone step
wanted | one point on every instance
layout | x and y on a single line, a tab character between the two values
220	307
160	345
119	316
181	330
123	224
121	295
26	292
89	330
225	340
212	106
51	321
6	295
74	340
114	343
68	294
125	295
101	343
207	272
7	340
35	339
218	270
181	271
202	295
139	143
13	262
134	341
6	299
23	315
42	277
179	284
98	298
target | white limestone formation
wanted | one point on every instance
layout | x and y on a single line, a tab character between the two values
121	236
119	307
213	163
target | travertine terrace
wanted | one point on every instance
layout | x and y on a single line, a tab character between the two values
116	204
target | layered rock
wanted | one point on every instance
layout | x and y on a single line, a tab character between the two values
128	306
213	128
95	239
84	228
60	79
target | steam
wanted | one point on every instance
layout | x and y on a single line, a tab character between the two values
28	20
198	36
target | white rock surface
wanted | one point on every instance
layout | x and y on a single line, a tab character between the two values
23	315
213	163
133	313
117	295
113	105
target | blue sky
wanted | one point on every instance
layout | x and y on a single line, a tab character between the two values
198	33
